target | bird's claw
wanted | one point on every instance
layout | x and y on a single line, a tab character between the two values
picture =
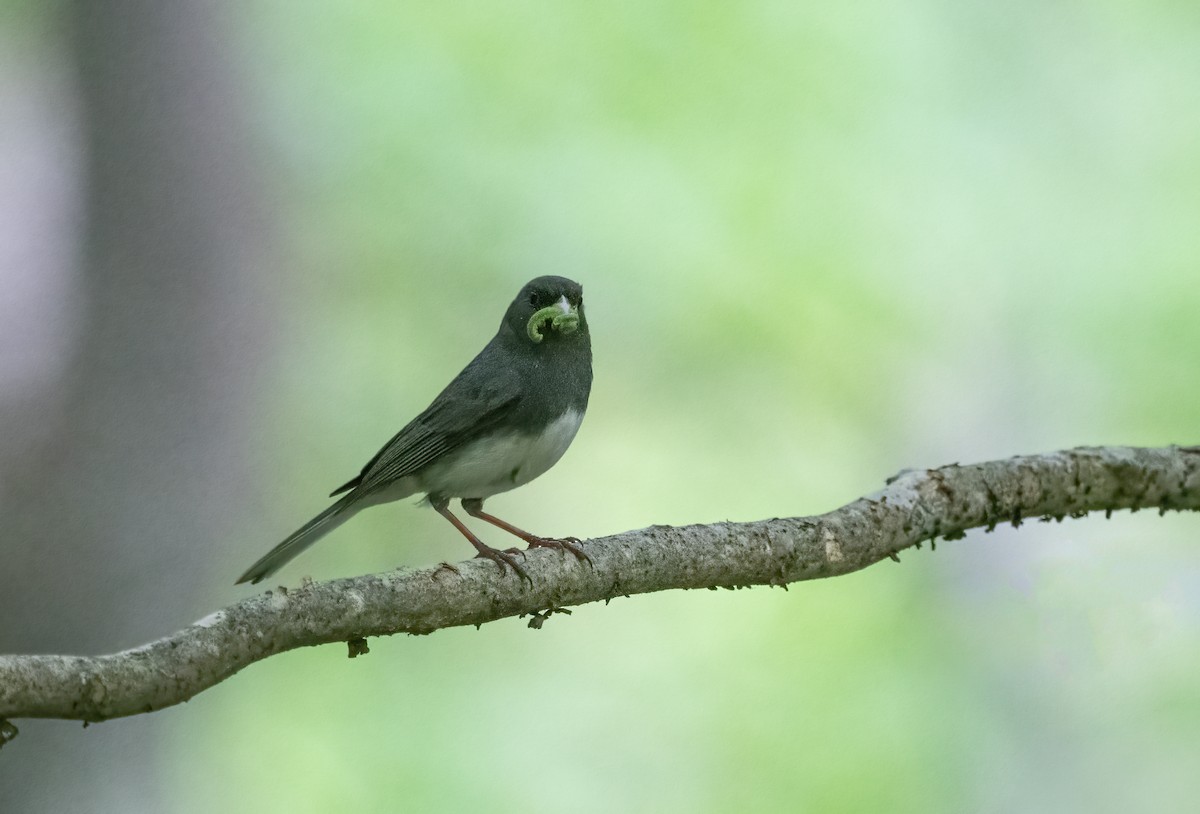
503	558
562	544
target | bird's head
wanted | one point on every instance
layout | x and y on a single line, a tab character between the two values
548	309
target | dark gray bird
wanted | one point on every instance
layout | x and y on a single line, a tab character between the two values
505	419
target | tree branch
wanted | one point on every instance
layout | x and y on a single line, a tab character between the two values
915	506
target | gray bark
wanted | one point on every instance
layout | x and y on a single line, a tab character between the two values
914	507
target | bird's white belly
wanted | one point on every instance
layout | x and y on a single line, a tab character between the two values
492	465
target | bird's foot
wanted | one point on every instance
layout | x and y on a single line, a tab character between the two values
562	544
503	558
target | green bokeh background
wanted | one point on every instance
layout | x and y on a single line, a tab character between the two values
819	243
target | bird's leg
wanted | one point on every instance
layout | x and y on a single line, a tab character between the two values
501	558
474	507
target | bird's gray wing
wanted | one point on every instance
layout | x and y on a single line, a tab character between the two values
468	407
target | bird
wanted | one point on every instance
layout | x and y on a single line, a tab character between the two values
505	419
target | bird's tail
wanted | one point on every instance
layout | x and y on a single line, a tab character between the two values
301	539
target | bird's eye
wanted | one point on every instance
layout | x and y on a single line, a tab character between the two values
533	300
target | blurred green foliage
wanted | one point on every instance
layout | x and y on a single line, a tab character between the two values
819	243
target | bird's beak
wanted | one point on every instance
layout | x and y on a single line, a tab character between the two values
562	316
568	320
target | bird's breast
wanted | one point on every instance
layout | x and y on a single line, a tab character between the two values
500	462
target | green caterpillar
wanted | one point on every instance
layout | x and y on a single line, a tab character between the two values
558	320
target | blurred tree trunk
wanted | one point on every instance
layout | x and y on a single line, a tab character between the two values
112	523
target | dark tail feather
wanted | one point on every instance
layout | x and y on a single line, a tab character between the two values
301	539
